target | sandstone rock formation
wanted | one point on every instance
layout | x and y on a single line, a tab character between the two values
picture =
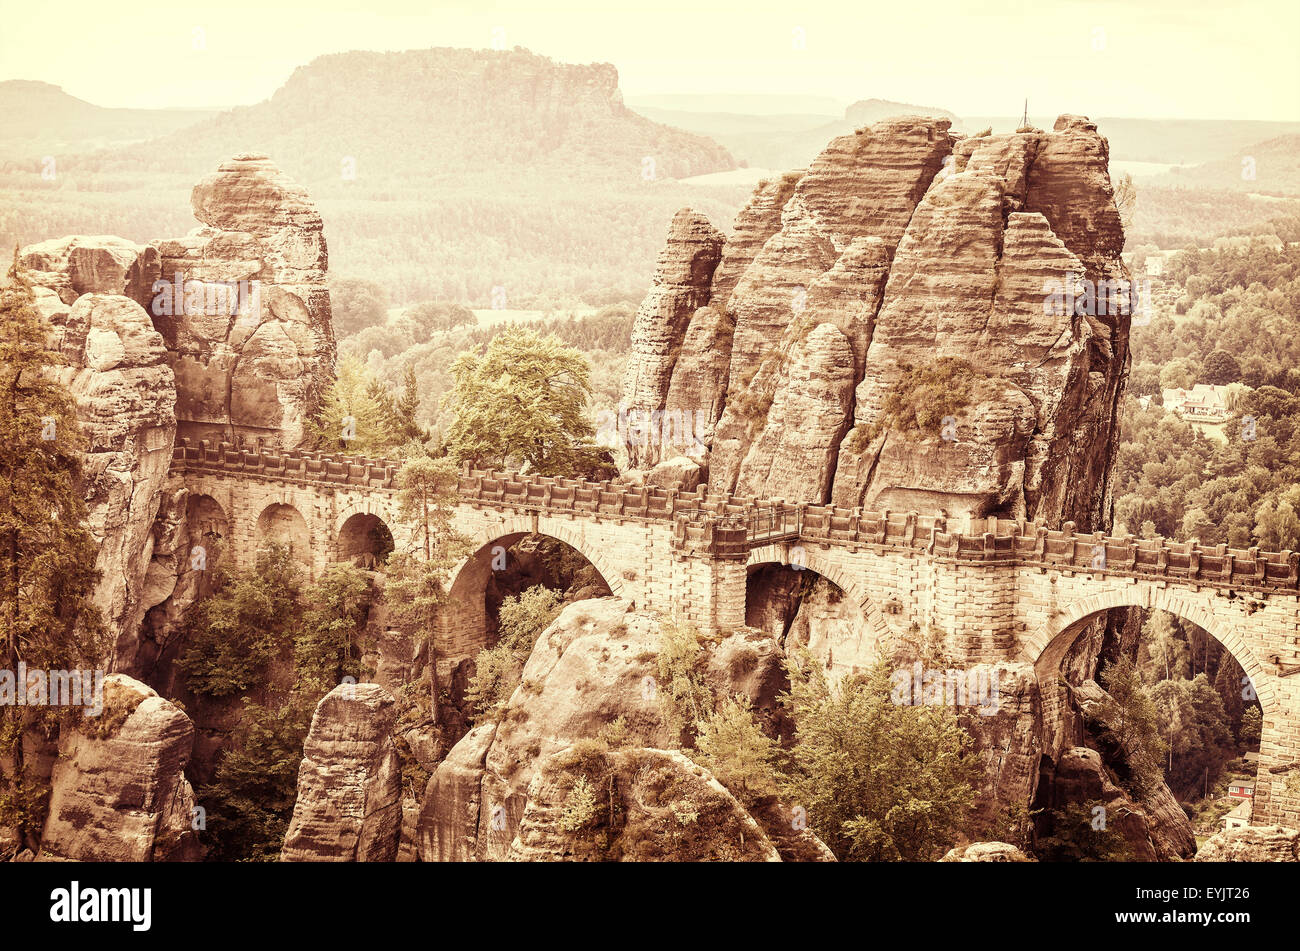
645	805
985	852
125	397
595	665
902	244
244	307
104	264
118	788
1251	844
681	284
349	784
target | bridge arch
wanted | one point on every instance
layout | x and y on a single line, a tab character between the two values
806	556
1048	647
281	523
462	628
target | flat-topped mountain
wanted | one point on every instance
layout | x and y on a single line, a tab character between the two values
439	115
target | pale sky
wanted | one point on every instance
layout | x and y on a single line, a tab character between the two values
1145	58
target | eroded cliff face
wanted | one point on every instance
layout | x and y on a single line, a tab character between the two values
244	307
92	290
901	245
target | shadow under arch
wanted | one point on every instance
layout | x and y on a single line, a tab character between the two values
364	539
282	524
462	627
808	558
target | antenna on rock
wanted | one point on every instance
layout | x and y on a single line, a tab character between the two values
1024	121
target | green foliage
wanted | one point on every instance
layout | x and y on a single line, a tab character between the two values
498	669
326	648
581	806
880	781
360	416
733	747
1132	717
1195	730
356	304
47	557
1078	834
427	499
251	799
922	396
232	636
521	404
683	690
1252	725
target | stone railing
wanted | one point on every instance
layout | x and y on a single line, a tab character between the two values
729	526
292	466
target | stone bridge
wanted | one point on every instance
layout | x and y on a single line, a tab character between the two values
998	590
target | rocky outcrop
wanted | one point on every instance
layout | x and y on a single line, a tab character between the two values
116	370
681	285
244	306
595	665
915	245
985	852
1150	824
118	788
103	264
1251	844
634	805
349	784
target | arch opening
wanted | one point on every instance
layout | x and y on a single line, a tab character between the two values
365	540
281	524
469	620
803	608
1168	704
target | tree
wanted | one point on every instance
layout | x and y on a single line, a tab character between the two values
1126	199
356	304
1130	714
435	316
1074	835
522	403
1252	726
47	558
232	636
732	746
497	669
1220	368
880	781
1277	527
1195	730
427	499
358	415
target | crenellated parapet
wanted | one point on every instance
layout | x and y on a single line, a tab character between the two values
293	466
727	526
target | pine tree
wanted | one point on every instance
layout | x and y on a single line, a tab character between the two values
47	557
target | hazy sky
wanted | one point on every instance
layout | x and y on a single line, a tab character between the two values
1156	58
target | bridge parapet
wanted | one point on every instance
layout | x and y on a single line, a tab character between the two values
293	465
728	526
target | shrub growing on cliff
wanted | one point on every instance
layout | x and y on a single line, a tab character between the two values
498	669
733	747
1077	834
47	557
683	687
879	781
1130	714
922	396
